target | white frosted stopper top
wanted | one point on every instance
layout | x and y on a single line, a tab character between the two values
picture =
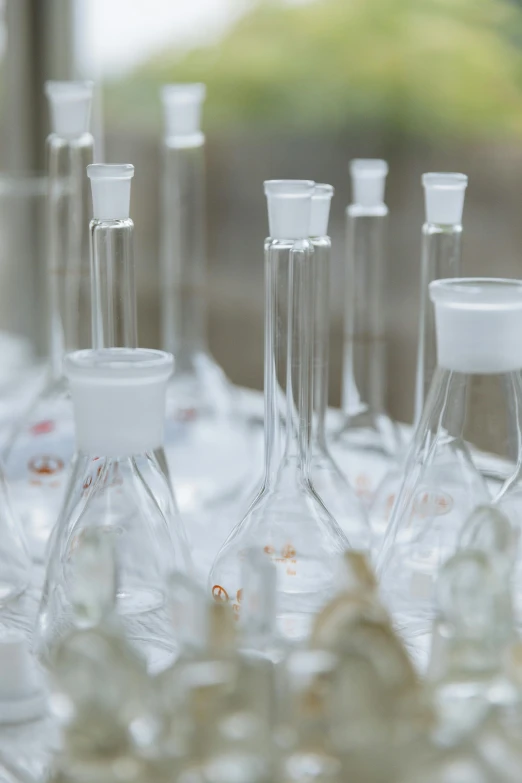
119	399
444	197
289	207
182	104
321	199
70	107
368	181
478	324
22	697
111	186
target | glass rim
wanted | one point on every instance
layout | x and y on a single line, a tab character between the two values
445	180
114	365
368	168
477	292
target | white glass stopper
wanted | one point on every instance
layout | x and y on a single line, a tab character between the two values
70	107
478	324
182	104
368	181
321	200
22	697
444	197
111	186
289	207
119	399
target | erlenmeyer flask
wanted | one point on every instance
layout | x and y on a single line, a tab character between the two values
475	396
39	451
287	520
208	446
368	439
327	478
117	484
440	258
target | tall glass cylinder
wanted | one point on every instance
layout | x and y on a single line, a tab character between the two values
287	520
367	440
332	486
208	446
39	451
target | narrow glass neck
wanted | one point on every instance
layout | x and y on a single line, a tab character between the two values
288	354
183	252
68	215
364	360
113	287
321	302
440	258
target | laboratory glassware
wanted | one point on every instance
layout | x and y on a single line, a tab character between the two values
118	485
38	453
287	520
331	485
368	440
440	259
208	447
474	399
28	735
113	317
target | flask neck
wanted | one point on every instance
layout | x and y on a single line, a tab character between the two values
113	294
364	359
321	300
440	258
183	252
288	355
68	215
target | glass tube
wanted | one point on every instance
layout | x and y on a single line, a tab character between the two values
368	440
328	480
287	520
38	454
208	446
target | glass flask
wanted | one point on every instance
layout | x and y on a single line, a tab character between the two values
208	446
440	259
473	399
332	486
287	519
368	440
117	485
38	452
28	735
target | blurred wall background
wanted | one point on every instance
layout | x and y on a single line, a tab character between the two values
295	89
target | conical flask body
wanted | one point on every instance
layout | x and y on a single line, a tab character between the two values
290	524
130	500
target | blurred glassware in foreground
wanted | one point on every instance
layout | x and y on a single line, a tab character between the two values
368	440
440	259
327	479
28	736
287	520
117	485
39	451
208	446
475	396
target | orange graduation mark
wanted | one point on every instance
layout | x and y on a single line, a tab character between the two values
219	594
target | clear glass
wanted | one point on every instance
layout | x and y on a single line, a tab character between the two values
440	259
40	448
287	520
130	499
331	485
466	414
112	275
208	445
368	440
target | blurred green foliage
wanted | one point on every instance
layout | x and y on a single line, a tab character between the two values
422	66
